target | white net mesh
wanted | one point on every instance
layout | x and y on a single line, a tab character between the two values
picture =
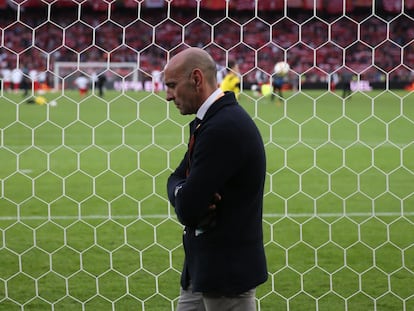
84	219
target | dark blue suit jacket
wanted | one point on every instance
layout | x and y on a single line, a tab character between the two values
224	251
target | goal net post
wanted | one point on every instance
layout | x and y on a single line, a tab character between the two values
121	76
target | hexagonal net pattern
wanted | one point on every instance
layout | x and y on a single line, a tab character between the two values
85	223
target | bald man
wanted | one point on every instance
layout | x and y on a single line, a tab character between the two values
216	190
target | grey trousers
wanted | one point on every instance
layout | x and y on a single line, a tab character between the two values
190	301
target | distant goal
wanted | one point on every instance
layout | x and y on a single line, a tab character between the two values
121	76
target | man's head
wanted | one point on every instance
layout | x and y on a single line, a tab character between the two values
190	78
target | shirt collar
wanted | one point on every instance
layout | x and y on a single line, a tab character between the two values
208	102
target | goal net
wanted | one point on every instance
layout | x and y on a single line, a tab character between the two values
121	76
85	223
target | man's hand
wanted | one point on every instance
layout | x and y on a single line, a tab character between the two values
210	220
216	199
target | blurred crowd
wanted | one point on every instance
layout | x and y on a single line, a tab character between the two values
315	47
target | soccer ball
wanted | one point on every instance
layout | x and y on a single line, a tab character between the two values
53	103
281	68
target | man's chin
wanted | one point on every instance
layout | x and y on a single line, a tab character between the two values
182	111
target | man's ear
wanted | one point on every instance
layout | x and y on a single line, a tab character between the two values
197	77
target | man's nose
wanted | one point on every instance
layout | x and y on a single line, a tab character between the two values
169	96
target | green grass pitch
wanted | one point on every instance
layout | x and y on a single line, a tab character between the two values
85	223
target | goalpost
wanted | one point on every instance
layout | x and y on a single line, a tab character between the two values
123	75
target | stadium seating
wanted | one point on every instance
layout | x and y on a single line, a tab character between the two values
262	44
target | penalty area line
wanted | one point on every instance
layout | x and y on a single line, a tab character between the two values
164	216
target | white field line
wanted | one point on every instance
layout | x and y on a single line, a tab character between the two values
277	142
164	216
